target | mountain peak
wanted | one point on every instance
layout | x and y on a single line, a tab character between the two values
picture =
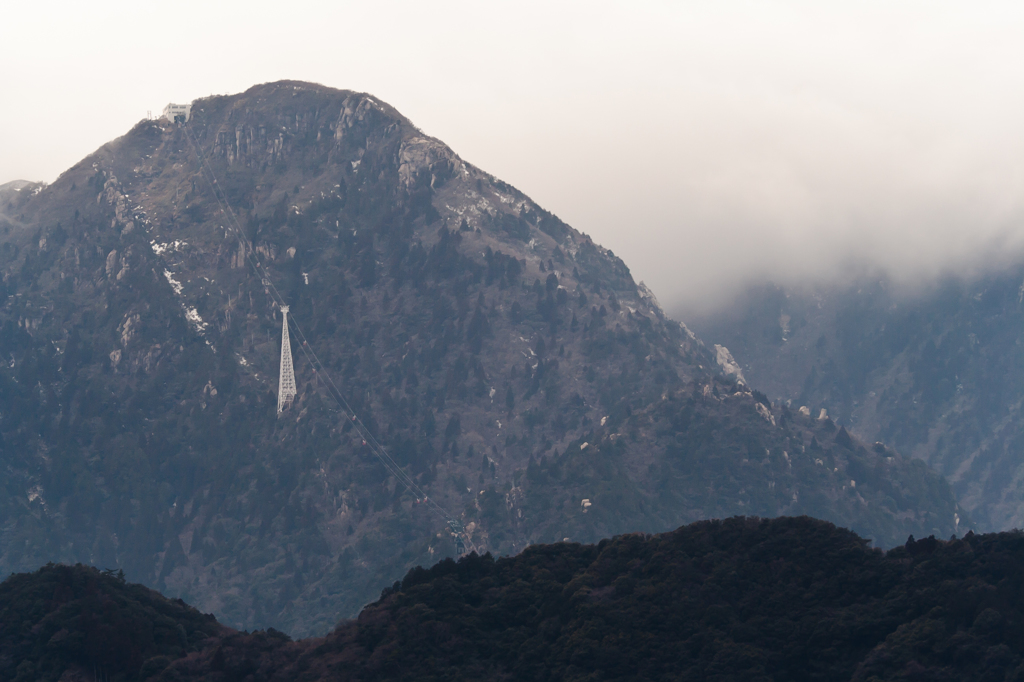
511	367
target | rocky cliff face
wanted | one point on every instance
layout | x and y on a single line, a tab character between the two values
937	374
511	366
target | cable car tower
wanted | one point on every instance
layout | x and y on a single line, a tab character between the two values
286	391
286	386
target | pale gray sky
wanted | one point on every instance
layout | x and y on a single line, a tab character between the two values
704	142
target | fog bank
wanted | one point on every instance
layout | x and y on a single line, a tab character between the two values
705	144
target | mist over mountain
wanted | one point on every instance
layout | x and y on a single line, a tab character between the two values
512	367
9	191
934	371
709	145
13	195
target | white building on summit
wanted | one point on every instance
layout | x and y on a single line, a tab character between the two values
178	113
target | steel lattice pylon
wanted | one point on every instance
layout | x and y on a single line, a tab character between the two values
286	386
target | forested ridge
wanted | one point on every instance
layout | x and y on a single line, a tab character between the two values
791	598
83	621
511	366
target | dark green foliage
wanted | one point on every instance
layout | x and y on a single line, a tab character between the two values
792	599
82	620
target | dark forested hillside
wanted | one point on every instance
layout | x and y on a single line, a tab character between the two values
742	599
75	622
511	366
937	373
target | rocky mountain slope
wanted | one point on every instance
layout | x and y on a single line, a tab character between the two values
742	599
937	374
509	364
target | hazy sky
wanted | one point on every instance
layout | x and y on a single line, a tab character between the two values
705	143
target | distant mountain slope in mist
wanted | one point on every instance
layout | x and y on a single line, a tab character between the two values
15	193
13	186
511	366
938	374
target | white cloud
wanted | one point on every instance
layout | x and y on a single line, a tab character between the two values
702	142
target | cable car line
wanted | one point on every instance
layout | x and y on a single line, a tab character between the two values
318	367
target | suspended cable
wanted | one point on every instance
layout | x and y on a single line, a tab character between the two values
319	368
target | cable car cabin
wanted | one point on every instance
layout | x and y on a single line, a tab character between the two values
178	113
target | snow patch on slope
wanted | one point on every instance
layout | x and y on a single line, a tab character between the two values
195	320
159	249
175	284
